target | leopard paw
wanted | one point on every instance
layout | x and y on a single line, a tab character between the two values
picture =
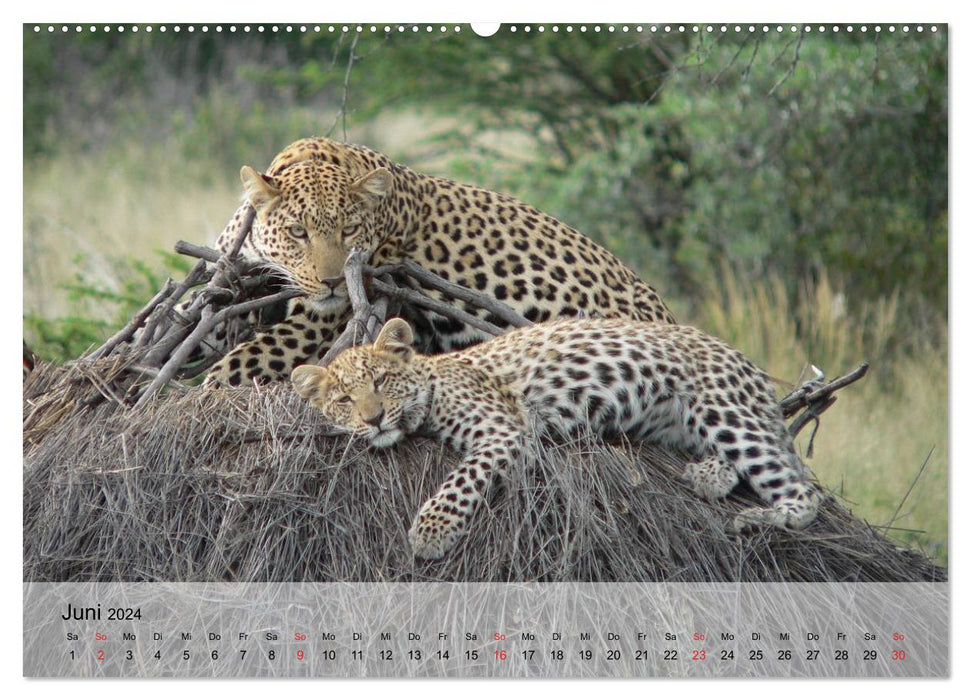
712	478
434	532
783	516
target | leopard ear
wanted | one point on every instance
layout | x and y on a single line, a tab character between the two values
373	187
396	338
310	381
261	190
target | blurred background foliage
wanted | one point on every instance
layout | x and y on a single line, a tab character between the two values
787	191
788	154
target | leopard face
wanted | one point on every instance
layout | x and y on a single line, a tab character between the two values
372	392
309	217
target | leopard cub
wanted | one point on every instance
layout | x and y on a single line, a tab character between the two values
668	384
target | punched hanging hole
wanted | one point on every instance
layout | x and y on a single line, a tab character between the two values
485	28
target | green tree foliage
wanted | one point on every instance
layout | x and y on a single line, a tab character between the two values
214	96
792	153
789	153
840	165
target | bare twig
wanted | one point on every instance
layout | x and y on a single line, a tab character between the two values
377	317
838	383
128	332
356	331
751	60
199	275
342	112
429	279
209	320
182	340
222	278
416	298
810	414
808	395
197	251
367	315
212	255
178	357
244	232
815	401
226	267
792	66
738	52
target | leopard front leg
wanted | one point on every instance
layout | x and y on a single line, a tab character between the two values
446	516
271	356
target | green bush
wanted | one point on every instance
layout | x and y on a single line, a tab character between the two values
796	154
100	310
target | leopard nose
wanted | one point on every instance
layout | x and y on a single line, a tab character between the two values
375	420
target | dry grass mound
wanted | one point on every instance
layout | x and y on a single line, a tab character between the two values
246	485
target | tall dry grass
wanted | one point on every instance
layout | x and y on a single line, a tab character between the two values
88	213
883	446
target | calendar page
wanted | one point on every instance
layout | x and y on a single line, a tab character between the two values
537	350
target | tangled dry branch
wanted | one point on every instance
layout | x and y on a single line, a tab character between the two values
171	338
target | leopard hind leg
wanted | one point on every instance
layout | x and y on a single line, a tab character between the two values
712	478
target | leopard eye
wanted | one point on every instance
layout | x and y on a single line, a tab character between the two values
379	380
351	229
343	400
297	232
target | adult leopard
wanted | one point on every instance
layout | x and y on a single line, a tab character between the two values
319	199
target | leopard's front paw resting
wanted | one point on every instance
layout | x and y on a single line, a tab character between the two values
435	531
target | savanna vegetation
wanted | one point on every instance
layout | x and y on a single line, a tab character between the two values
784	190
